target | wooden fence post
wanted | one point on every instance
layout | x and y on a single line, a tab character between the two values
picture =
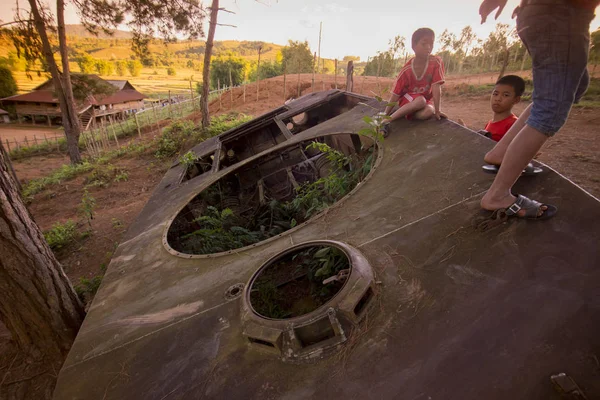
137	124
335	74
313	72
350	76
284	80
114	131
258	72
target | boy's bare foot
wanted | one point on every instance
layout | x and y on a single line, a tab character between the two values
461	122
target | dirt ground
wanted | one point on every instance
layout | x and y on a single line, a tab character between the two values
575	152
27	134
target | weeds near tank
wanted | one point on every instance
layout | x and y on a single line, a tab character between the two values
295	285
217	226
375	123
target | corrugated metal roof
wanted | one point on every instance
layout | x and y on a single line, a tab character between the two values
119	84
125	93
121	96
37	96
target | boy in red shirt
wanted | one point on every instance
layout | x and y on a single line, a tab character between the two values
506	94
418	83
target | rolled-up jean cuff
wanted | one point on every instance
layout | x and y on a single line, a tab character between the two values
548	131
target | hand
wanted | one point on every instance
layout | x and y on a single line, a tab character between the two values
487	6
439	115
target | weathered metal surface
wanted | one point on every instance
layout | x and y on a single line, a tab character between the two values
460	314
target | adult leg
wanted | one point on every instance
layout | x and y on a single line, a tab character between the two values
518	154
558	40
496	155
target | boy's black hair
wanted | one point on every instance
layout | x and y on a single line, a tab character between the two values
515	81
420	33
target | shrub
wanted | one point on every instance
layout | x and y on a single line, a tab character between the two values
173	137
60	235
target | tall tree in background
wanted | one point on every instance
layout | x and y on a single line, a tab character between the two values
464	44
38	304
397	47
214	11
297	57
8	85
31	37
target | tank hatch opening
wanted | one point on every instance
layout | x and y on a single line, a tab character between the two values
320	113
271	195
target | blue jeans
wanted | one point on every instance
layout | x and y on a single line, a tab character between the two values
557	36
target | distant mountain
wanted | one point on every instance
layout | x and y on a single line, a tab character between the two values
80	31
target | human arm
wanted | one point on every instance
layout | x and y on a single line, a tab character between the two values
437	100
487	6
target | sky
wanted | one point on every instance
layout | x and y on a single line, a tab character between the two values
350	27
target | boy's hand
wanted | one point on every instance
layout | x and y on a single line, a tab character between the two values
487	6
439	115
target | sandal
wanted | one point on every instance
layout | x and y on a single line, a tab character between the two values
529	170
385	129
531	207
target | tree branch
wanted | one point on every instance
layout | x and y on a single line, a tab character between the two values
226	10
233	26
15	22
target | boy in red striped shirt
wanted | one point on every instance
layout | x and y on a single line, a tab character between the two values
418	86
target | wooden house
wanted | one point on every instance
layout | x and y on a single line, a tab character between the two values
4	116
42	104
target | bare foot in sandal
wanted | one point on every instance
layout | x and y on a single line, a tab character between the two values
519	206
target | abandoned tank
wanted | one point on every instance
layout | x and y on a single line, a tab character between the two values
296	258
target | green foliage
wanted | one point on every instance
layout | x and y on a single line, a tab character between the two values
8	85
134	67
171	71
268	69
297	57
87	205
188	159
375	123
87	288
60	235
84	85
87	64
121	67
103	174
329	261
221	68
64	173
104	67
381	65
225	122
13	62
173	138
219	232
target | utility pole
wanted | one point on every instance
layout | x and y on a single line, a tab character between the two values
319	48
258	72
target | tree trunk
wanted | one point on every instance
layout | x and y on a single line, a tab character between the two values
523	60
38	305
73	116
504	63
66	100
214	10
